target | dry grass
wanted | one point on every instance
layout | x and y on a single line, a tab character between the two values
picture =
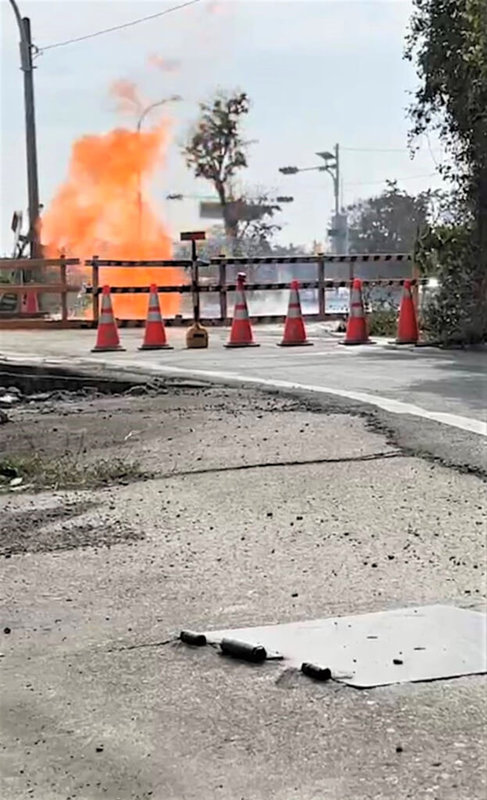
67	472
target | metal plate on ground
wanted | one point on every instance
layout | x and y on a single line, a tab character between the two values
403	645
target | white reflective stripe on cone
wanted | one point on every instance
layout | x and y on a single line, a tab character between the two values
356	309
294	311
241	313
153	316
105	319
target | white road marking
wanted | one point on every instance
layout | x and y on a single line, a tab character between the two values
468	424
385	403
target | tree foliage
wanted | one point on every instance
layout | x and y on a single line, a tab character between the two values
216	149
448	43
390	222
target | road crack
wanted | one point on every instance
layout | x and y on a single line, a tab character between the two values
294	463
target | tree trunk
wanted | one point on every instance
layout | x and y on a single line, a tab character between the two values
480	280
230	225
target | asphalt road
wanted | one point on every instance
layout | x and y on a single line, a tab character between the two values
434	381
95	705
434	401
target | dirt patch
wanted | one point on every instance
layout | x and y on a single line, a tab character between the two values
87	440
37	531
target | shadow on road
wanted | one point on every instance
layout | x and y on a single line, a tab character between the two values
465	381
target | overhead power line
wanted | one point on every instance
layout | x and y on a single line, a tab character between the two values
383	150
119	27
404	178
376	149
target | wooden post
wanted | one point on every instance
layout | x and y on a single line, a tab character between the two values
321	286
95	277
64	295
222	280
416	276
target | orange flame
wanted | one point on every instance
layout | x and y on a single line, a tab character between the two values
101	209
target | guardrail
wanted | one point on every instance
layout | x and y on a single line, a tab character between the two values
23	268
217	276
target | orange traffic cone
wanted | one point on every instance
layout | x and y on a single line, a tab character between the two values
155	334
107	333
241	332
407	326
30	303
294	330
357	323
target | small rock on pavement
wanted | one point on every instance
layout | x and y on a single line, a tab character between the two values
3	418
8	400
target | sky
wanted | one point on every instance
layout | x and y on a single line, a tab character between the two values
318	72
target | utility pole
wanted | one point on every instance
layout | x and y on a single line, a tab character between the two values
338	232
27	68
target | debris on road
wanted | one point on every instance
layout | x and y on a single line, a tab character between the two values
456	637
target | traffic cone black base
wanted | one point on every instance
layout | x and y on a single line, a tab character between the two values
155	347
108	349
242	344
295	344
353	344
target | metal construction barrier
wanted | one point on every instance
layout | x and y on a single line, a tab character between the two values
23	278
317	274
218	277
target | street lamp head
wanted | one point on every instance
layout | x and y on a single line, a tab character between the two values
288	170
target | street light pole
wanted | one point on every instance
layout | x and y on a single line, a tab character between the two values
332	167
336	179
142	116
27	68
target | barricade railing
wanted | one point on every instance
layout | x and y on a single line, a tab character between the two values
220	284
217	277
22	270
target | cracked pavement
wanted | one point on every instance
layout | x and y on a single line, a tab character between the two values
261	509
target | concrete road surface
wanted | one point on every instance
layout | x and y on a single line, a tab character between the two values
261	509
450	385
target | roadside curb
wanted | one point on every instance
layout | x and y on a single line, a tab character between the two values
211	377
